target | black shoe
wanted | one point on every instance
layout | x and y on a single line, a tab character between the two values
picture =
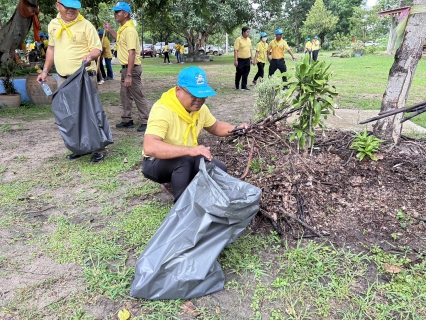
96	157
125	124
73	156
142	128
237	88
245	89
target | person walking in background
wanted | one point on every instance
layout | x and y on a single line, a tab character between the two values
72	40
101	75
242	58
171	154
131	69
276	50
107	56
308	48
316	45
166	53
260	57
177	52
182	52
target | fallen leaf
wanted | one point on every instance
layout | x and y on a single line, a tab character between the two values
125	160
391	269
189	308
123	314
217	310
289	310
32	198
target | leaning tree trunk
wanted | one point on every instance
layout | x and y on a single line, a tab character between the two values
401	75
13	33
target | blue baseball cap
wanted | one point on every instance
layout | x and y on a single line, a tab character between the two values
194	79
122	6
308	39
279	31
101	32
71	4
263	34
316	37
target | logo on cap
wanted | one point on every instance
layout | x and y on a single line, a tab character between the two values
199	80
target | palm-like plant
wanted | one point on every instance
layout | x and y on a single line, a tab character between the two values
311	90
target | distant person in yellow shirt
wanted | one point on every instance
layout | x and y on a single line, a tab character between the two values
260	57
242	59
308	48
182	52
128	54
316	46
276	50
166	53
67	50
171	153
177	52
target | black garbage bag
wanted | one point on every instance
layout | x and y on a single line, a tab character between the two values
180	260
79	114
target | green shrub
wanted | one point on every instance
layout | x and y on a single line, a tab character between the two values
269	96
366	145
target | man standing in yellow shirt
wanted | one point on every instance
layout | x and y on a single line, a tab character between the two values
242	59
182	52
171	154
107	56
308	48
315	48
131	70
72	40
276	50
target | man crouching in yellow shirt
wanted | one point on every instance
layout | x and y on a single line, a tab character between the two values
170	150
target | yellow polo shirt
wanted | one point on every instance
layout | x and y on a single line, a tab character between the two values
308	46
129	40
277	48
164	123
106	49
261	49
69	52
315	44
243	46
182	49
166	48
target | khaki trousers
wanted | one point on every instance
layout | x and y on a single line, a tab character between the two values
133	93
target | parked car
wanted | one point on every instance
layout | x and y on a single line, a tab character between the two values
210	49
370	43
148	50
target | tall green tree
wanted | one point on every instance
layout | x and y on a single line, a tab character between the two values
223	16
344	9
319	21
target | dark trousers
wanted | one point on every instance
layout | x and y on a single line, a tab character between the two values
179	171
277	64
260	71
315	55
101	74
108	65
242	72
166	56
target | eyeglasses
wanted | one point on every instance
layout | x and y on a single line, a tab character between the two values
66	8
193	98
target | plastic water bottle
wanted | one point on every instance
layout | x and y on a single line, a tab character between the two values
46	89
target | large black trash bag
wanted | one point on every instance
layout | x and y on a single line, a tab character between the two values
180	260
79	114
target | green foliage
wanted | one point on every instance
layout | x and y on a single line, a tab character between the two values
315	95
340	42
357	47
319	20
269	96
344	9
7	70
366	145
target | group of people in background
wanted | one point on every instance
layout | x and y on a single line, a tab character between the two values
312	48
273	52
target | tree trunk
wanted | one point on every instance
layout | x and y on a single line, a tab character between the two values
401	75
13	33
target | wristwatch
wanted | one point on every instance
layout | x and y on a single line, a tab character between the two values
129	75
